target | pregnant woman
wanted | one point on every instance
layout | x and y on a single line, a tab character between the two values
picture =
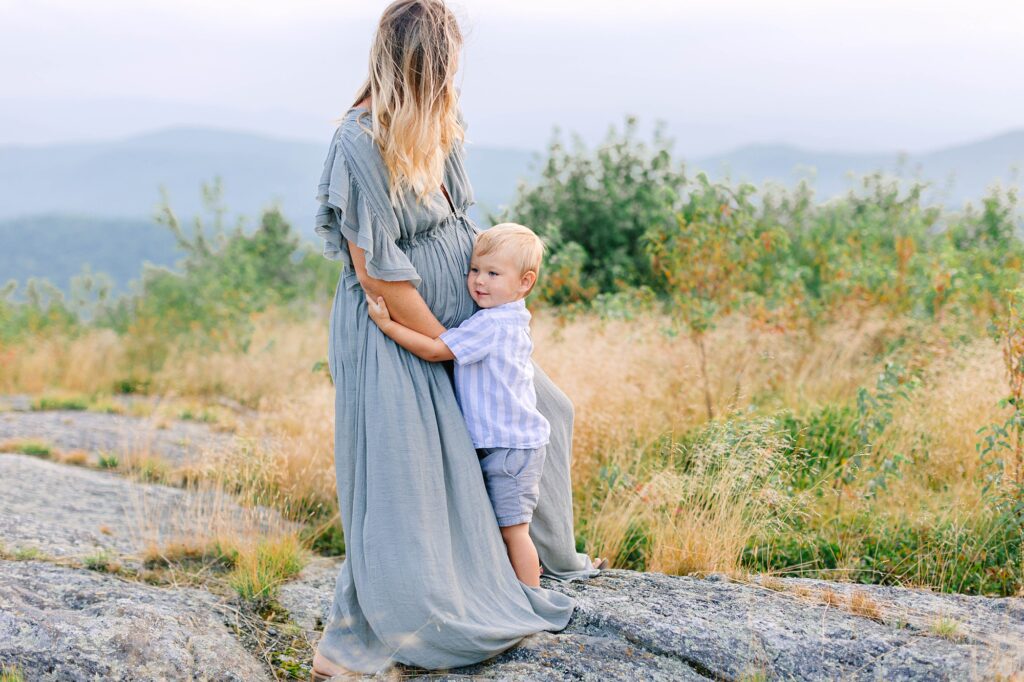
426	580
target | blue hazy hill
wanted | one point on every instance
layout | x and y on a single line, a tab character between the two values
65	205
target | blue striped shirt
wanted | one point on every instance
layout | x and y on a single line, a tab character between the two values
494	378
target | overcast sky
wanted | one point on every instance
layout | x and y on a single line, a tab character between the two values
844	75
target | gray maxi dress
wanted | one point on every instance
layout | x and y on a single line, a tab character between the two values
426	580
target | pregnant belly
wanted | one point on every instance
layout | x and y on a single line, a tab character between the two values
441	257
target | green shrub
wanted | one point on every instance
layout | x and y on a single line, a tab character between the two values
44	310
107	461
259	570
11	673
46	403
328	539
982	554
594	207
821	441
34	448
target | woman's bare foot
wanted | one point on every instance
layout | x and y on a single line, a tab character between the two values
324	666
599	563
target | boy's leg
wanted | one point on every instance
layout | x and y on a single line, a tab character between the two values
513	485
522	553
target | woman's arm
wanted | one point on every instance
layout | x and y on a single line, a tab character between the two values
420	345
405	304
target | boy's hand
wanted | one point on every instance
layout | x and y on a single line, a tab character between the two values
378	311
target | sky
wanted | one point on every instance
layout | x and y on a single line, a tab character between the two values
833	75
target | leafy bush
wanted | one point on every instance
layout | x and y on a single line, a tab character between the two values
980	554
593	209
44	311
821	441
625	215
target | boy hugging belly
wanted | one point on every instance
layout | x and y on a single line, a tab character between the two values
494	380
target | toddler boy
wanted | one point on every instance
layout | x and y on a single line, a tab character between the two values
494	380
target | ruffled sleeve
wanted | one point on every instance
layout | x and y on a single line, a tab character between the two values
355	206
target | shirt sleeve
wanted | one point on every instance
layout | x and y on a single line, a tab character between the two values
471	341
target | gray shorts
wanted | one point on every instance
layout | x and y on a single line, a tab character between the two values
513	482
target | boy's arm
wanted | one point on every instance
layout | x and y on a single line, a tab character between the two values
420	345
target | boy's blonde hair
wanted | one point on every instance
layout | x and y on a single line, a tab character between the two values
514	241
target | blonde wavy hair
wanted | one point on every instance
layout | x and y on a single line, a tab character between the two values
518	243
411	88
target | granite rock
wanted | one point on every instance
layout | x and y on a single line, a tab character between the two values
112	434
630	626
69	624
69	511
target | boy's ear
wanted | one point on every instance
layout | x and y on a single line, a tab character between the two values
527	281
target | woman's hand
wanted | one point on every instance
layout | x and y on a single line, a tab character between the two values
420	345
405	305
378	311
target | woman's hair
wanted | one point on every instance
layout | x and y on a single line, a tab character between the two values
414	104
516	242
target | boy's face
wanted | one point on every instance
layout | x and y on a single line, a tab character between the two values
494	279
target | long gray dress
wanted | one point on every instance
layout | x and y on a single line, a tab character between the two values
426	580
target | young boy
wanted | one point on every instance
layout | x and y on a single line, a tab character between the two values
494	380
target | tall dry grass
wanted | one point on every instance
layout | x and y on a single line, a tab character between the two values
94	361
638	480
696	505
633	385
284	458
259	549
939	430
277	361
631	381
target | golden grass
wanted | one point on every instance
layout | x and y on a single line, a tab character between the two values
92	361
699	518
862	604
947	628
261	567
253	565
830	597
189	550
940	431
655	378
279	357
632	385
279	360
285	459
208	534
74	457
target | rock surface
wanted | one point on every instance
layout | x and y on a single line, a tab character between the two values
68	511
308	597
63	623
651	626
980	620
726	630
116	434
60	623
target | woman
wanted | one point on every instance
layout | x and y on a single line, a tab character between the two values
426	580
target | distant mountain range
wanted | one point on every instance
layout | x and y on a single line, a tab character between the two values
957	174
68	204
122	178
